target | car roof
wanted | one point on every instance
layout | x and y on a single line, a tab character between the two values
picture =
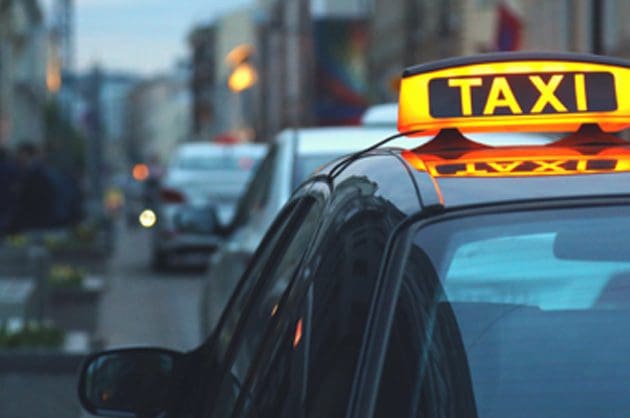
458	192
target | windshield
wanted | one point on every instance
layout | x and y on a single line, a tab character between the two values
221	177
219	162
528	319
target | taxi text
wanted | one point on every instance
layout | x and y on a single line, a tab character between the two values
522	94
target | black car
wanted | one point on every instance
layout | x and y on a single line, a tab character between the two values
451	280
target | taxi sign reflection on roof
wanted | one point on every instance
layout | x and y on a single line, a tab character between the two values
588	151
520	163
522	92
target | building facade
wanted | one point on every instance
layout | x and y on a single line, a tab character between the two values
314	62
236	43
158	117
23	91
203	81
408	32
298	44
113	97
220	110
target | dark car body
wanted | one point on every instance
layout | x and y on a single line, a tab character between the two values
450	279
307	330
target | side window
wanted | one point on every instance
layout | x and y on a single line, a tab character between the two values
281	367
282	267
310	359
233	312
279	269
343	284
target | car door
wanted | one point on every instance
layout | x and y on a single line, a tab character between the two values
252	309
307	363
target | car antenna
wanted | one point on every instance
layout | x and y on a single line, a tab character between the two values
352	157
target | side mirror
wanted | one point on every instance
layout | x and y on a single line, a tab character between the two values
130	382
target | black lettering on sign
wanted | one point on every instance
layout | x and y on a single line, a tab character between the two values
522	94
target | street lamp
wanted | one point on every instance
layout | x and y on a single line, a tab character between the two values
239	54
243	77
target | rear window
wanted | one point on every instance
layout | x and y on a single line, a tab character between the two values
215	163
516	315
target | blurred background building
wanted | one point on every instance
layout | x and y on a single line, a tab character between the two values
22	72
235	47
203	83
408	32
158	117
256	70
114	92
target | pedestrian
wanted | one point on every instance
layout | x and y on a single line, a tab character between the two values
36	196
67	202
9	182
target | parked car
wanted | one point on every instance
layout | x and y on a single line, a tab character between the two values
384	114
197	198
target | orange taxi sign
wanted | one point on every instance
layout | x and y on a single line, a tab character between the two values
522	92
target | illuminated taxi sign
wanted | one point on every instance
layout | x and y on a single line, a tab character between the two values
520	163
520	94
516	92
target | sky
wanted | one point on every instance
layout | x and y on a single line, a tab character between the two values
140	36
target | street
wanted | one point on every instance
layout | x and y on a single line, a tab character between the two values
406	208
141	307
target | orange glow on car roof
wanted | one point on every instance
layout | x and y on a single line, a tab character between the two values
522	162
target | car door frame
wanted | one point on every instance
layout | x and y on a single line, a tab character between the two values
372	354
300	290
285	224
320	185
